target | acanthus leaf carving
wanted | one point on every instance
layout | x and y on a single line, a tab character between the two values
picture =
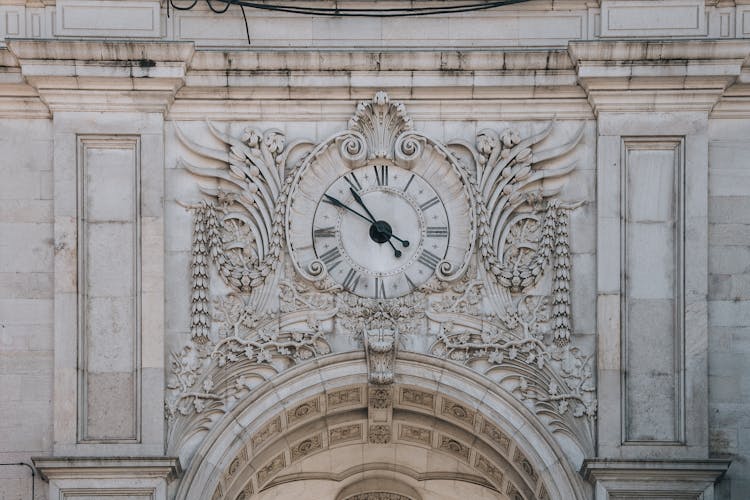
240	228
510	191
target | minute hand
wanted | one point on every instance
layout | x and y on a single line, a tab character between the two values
338	203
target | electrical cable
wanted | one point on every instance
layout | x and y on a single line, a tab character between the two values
357	12
344	12
217	11
247	26
33	475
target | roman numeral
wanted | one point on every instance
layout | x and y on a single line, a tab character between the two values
381	174
330	232
331	258
351	280
436	231
379	288
412	286
353	181
408	182
429	259
429	203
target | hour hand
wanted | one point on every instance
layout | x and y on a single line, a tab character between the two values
389	232
361	203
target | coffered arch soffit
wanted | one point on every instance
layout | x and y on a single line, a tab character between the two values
438	408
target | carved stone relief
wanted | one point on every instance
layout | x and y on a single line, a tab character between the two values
252	466
380	434
500	304
307	446
415	434
345	433
454	447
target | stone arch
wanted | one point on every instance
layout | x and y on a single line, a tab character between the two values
440	410
378	489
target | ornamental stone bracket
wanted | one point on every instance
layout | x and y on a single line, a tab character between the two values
614	478
380	348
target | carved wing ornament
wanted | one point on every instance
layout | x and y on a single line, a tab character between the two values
467	258
511	174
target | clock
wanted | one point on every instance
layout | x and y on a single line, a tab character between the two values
380	210
380	231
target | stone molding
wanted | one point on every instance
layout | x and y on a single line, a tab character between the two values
651	478
75	75
106	477
52	468
103	75
647	76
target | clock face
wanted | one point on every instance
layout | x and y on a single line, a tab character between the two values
380	231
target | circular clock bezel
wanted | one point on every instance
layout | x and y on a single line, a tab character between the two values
369	267
334	158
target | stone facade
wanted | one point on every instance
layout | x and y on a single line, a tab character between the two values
562	303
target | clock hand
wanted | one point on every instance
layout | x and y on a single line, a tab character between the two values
387	233
403	242
338	203
361	203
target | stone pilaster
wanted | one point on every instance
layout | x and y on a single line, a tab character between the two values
107	101
652	101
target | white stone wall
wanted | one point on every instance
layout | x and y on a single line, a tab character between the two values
26	300
729	301
689	94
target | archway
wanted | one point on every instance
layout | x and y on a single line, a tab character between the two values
306	432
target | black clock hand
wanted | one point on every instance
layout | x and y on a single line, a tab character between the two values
335	202
387	233
361	203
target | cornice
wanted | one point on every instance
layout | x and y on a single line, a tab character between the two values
613	468
103	75
380	60
657	75
17	98
39	76
438	84
107	467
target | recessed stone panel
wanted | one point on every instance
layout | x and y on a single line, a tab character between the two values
109	288
652	277
110	407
